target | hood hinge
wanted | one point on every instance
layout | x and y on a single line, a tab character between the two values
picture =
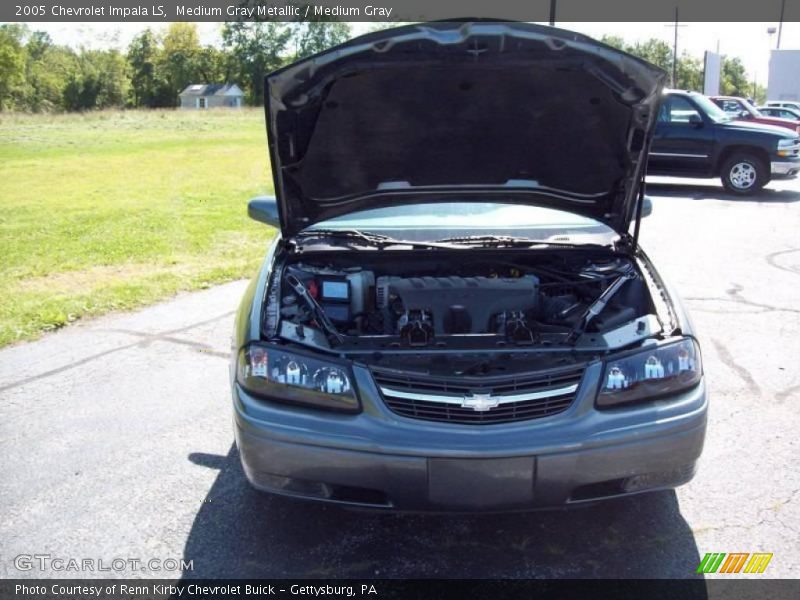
626	244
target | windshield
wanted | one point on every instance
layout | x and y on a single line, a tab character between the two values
783	113
751	109
437	221
711	110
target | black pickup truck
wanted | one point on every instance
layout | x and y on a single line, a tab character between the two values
695	138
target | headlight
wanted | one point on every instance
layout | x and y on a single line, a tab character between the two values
787	147
651	373
290	377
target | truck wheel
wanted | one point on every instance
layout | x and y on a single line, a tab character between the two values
744	174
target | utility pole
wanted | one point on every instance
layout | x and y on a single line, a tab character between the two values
780	23
675	49
553	13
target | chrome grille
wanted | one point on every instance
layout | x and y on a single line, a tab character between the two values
503	399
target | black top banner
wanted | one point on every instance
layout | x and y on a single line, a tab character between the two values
398	10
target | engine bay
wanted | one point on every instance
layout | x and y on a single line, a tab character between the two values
440	300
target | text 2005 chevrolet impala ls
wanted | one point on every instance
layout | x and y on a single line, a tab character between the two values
454	315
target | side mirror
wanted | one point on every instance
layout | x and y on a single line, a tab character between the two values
647	207
745	115
695	120
264	209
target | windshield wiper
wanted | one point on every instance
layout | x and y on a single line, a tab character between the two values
487	240
363	238
505	241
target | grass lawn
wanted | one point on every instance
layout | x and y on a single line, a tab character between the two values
112	210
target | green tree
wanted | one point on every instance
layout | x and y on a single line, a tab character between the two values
689	70
655	51
212	65
115	79
179	58
689	74
12	64
760	95
38	44
312	37
143	56
615	41
47	77
733	81
101	81
256	48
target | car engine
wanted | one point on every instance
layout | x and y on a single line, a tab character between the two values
515	303
452	305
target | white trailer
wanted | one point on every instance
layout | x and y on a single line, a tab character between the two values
784	75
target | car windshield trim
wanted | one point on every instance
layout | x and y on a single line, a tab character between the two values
711	110
751	109
466	222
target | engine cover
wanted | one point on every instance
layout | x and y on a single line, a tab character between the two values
447	299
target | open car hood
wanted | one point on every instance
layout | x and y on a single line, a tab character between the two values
471	110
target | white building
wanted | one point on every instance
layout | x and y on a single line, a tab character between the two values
222	95
784	75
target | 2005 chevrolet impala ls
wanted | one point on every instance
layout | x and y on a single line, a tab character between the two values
456	314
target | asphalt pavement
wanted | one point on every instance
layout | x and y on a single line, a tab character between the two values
116	440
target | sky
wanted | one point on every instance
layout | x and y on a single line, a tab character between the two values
748	41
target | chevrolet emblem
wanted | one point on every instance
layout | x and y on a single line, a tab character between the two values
480	402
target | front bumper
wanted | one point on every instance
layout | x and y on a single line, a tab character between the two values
785	169
381	460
